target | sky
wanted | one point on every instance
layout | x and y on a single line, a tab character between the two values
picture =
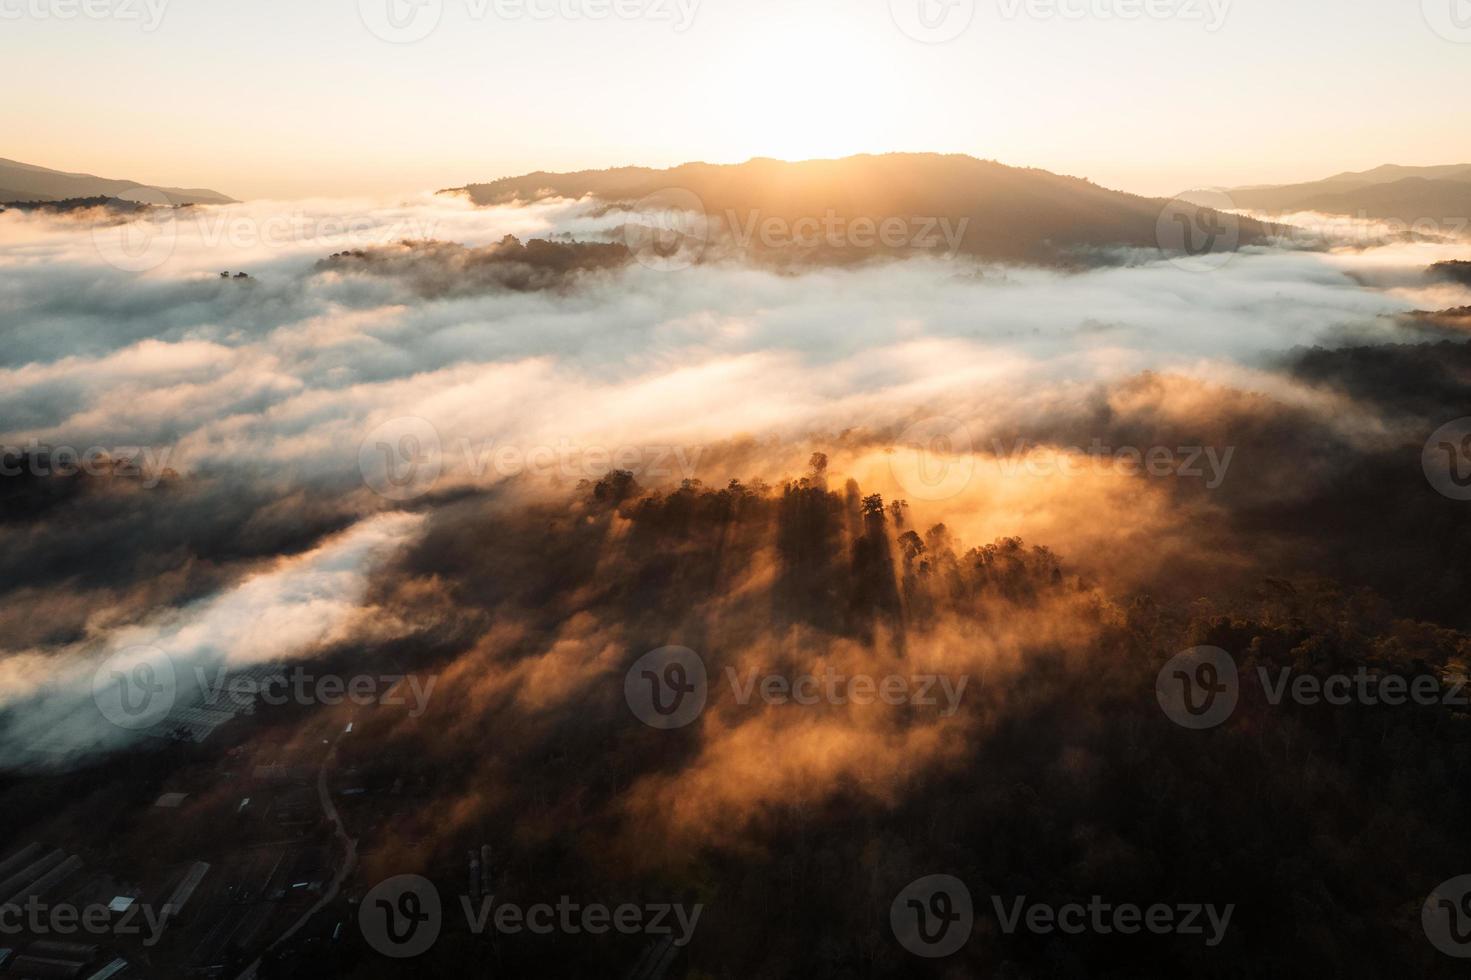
281	98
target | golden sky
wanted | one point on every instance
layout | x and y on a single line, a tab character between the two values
283	98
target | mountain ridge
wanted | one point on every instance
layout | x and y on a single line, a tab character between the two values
28	182
1390	191
1016	213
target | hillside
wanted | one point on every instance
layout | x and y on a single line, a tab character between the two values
1012	213
1404	193
23	182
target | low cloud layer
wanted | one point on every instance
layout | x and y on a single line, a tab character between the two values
380	359
976	505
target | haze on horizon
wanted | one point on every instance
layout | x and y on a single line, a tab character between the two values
291	100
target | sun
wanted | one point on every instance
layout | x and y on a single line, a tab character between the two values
802	94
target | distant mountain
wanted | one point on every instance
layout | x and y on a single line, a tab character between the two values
434	269
1404	193
114	205
1009	212
26	182
1453	271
